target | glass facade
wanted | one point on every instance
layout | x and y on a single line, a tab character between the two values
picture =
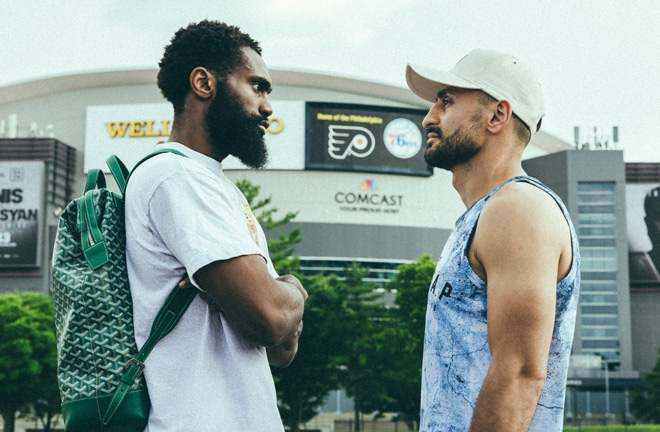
380	271
598	299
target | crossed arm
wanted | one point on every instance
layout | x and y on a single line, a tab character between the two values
520	249
265	310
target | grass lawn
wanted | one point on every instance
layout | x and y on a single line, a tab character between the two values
614	428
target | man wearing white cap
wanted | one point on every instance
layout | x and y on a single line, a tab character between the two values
502	302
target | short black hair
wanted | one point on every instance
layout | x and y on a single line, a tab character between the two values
213	45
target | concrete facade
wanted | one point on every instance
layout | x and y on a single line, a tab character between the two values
58	107
427	207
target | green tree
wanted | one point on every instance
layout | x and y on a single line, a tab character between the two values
27	353
282	248
46	405
314	372
363	313
302	386
645	403
402	346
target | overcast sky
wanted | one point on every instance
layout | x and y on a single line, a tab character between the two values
597	60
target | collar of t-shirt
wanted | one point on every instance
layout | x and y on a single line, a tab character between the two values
206	161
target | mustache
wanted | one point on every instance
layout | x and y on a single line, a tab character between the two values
261	120
434	130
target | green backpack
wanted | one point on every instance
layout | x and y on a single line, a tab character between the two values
99	367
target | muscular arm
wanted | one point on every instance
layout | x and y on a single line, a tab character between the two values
520	246
265	310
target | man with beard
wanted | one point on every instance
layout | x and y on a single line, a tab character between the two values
502	303
184	217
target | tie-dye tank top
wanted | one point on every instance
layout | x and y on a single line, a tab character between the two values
456	352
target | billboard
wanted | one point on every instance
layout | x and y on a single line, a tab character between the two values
364	138
21	202
131	131
643	219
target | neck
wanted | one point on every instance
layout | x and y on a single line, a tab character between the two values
190	131
491	167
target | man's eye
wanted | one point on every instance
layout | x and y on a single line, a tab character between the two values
445	101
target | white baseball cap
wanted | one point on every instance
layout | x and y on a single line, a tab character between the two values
500	75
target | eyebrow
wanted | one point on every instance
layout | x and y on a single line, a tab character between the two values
448	90
263	82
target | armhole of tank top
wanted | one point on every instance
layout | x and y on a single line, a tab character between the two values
473	276
571	271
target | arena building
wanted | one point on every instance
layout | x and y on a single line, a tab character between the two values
347	156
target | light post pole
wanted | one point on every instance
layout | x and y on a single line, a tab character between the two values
606	364
607	388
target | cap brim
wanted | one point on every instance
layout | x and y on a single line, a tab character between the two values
426	82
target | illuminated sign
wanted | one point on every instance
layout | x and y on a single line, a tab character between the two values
21	197
132	131
349	137
137	129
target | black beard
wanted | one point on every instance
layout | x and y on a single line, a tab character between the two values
458	148
232	131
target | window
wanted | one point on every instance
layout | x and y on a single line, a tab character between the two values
597	285
599	310
604	332
380	271
600	343
600	320
599	268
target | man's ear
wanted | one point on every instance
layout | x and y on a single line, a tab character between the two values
501	116
203	83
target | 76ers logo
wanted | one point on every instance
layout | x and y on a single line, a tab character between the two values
345	141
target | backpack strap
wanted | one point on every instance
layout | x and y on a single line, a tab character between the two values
95	178
157	152
91	238
166	319
121	173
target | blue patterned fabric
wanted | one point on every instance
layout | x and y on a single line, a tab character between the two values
456	352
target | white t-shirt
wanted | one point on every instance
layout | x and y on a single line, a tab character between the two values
182	214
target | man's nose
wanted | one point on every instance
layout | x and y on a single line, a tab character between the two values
430	119
265	109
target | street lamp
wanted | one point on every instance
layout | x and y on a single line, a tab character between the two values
607	388
606	363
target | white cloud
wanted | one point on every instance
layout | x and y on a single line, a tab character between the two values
598	61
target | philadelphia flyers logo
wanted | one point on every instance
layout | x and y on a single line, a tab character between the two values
344	141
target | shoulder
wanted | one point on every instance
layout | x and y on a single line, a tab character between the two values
164	165
522	202
167	169
521	212
522	227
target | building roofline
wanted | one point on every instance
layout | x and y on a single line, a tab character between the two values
63	83
70	82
